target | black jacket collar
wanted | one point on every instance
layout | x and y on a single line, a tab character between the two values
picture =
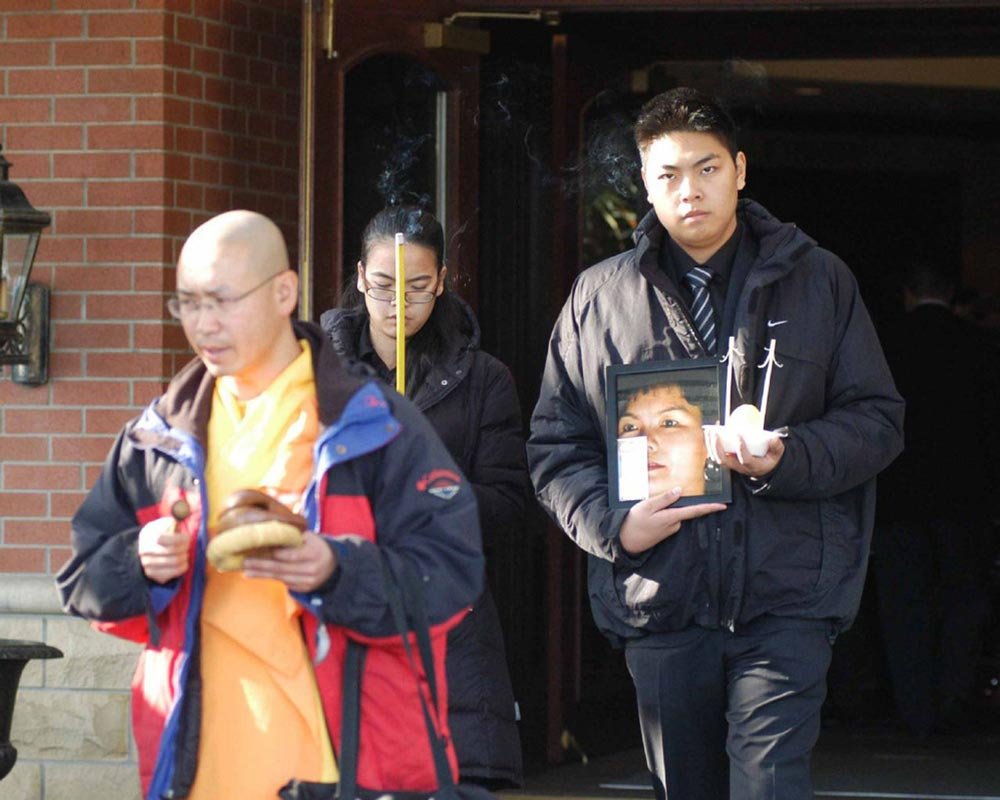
346	327
780	245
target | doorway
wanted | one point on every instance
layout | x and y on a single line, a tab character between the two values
874	130
394	139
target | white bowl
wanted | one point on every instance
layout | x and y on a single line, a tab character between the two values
756	439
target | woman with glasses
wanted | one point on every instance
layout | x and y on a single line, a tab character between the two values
470	399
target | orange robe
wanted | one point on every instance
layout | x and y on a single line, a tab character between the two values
262	721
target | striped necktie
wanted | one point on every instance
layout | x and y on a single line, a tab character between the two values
701	306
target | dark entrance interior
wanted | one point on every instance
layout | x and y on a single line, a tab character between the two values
874	130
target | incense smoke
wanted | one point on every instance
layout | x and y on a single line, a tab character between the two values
395	180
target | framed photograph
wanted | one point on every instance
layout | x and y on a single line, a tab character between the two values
655	411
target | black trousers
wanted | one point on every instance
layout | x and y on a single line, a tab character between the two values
732	716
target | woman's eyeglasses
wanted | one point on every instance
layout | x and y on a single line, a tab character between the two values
415	296
385	294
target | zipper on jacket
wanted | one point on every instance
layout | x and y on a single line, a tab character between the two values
170	733
713	565
681	324
724	622
732	601
320	625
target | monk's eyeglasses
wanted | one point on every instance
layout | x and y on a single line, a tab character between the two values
184	305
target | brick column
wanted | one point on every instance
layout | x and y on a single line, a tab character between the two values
130	121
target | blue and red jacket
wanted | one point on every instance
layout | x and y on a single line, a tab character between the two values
382	480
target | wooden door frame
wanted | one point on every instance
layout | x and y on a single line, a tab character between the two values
361	32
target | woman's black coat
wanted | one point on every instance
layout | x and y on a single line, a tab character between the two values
471	401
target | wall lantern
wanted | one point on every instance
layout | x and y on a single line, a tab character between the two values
24	307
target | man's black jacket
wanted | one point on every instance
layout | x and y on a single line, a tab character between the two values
795	546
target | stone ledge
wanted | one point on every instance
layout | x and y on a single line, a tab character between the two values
59	725
25	781
92	782
29	594
92	660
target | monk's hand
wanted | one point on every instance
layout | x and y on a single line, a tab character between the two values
163	550
745	463
652	520
301	569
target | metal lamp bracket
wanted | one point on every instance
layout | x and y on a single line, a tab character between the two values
24	343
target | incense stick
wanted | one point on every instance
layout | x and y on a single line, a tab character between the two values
400	317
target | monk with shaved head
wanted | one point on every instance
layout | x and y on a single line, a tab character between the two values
239	258
238	690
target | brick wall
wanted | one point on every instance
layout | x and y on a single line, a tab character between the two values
130	121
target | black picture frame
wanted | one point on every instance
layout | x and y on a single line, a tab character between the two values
644	397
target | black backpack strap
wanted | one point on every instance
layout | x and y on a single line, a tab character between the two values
350	726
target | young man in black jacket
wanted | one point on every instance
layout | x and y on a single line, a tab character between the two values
726	613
